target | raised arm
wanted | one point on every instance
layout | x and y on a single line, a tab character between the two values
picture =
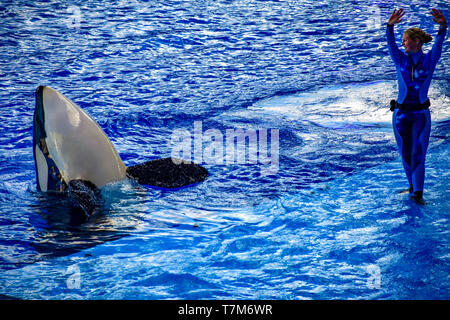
439	18
395	18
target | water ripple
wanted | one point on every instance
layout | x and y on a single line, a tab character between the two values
143	69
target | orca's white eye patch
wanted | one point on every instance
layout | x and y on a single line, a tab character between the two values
42	168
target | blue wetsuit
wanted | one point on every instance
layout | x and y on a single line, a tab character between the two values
411	125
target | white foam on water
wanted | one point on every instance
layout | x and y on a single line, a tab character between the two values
363	103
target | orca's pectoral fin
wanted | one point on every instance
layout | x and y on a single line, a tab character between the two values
86	195
167	173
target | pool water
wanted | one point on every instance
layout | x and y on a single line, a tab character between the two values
326	223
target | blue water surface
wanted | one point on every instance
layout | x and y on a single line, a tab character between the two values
328	223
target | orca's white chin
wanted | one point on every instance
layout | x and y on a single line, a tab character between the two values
74	142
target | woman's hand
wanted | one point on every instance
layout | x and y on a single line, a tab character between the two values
396	17
438	17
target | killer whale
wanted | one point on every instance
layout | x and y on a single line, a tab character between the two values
73	155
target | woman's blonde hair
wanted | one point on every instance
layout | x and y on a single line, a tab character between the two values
416	33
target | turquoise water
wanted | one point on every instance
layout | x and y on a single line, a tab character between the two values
328	223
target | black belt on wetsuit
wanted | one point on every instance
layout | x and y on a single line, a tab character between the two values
410	106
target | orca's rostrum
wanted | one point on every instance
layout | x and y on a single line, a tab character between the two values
73	155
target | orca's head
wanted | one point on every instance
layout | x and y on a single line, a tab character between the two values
48	175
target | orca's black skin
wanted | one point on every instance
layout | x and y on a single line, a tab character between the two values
86	195
164	173
38	128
